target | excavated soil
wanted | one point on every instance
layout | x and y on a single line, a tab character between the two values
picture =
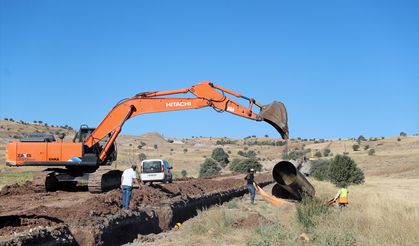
82	218
15	189
251	221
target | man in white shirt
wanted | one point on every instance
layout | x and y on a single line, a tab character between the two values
128	177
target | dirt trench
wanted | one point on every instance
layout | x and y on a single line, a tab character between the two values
81	218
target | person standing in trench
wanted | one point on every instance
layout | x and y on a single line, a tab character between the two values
129	177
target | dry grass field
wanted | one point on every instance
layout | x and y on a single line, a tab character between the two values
381	212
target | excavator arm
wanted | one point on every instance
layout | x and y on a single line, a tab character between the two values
206	94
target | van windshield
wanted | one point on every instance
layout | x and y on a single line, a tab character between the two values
151	166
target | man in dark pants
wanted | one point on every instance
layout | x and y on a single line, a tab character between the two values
250	178
129	177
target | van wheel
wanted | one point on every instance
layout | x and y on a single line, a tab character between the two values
170	181
144	183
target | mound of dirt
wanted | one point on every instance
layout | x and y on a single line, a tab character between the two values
251	220
16	224
16	189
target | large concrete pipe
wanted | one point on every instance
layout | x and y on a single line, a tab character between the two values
291	183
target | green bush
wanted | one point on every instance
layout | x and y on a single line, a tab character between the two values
142	157
220	156
241	166
320	169
371	152
355	147
361	138
209	168
295	154
247	154
326	152
366	147
184	173
318	154
344	170
225	141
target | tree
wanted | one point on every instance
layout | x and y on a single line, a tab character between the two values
326	152
355	147
344	170
184	173
185	150
361	138
241	166
141	145
209	168
142	156
371	152
220	156
320	169
366	147
318	154
403	134
295	155
251	154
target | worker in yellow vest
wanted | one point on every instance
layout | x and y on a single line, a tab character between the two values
342	196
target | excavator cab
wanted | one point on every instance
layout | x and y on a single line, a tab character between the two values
276	115
82	133
90	154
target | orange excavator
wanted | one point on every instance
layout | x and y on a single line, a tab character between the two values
94	148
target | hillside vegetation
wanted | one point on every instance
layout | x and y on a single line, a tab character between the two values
393	156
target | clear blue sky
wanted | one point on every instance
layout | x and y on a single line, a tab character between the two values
342	68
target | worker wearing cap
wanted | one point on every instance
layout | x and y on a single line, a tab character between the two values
250	186
342	196
129	177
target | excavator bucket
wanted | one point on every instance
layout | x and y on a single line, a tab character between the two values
276	115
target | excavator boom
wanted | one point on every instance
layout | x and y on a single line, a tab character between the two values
207	95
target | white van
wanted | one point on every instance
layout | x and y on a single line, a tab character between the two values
156	170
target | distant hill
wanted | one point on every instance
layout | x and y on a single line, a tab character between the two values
394	156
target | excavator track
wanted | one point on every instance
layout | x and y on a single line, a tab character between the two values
104	180
45	182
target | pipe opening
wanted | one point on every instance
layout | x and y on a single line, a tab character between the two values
281	192
284	173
